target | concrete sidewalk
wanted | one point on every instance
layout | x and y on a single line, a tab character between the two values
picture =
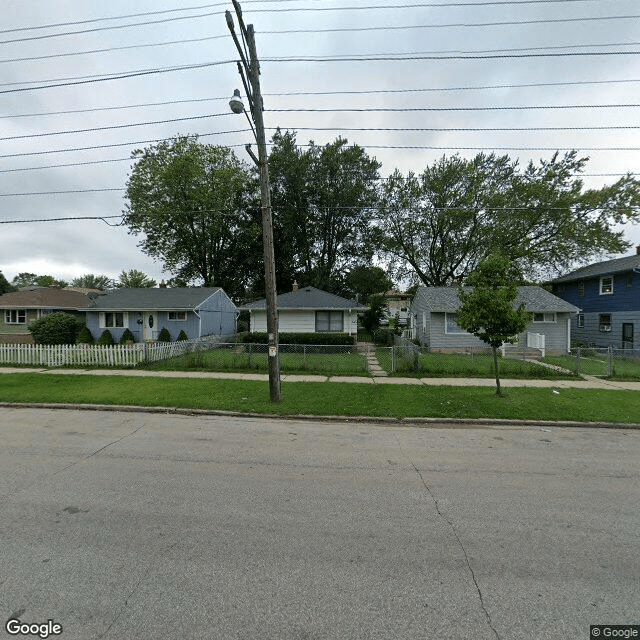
588	382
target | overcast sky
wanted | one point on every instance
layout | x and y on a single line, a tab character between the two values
520	60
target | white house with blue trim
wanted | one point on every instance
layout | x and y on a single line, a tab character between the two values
198	311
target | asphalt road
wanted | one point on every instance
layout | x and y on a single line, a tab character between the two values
136	526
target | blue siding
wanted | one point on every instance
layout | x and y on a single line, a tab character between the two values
623	298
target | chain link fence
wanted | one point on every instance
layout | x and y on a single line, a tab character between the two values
601	362
250	357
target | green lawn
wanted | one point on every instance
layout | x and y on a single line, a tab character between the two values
325	398
453	365
248	359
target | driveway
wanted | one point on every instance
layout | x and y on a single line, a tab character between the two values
136	526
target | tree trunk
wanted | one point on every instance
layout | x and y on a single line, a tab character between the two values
496	366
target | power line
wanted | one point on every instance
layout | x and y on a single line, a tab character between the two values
103	218
51	193
489	108
328	93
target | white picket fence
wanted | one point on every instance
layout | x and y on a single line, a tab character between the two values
60	355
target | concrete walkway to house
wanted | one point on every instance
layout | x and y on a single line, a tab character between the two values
369	351
588	382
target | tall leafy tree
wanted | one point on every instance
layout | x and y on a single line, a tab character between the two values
440	225
322	199
26	279
195	207
488	309
92	281
134	279
5	286
365	281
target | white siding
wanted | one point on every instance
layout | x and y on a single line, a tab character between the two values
299	321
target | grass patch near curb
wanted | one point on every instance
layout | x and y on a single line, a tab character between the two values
326	398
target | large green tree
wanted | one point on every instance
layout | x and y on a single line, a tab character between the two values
26	279
195	207
92	281
488	309
5	286
322	199
441	224
135	279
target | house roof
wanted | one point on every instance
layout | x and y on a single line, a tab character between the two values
44	298
308	298
182	298
535	299
602	268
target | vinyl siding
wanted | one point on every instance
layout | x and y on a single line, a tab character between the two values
298	321
590	334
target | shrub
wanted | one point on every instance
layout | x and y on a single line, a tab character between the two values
301	338
85	337
105	339
182	336
55	328
127	336
383	337
164	335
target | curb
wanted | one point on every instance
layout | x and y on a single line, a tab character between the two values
445	423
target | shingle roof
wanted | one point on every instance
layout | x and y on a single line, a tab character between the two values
44	298
137	299
308	298
534	299
602	268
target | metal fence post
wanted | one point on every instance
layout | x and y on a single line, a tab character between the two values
610	372
578	360
394	355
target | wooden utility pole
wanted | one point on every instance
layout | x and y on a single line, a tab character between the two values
251	67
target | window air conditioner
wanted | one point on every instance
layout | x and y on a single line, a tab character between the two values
605	328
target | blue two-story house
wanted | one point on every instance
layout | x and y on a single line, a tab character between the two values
608	296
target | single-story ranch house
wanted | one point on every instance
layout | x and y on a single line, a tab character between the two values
433	316
198	311
308	310
19	308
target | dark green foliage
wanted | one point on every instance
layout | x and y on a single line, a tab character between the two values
196	207
105	339
301	338
383	337
56	328
127	336
85	337
364	282
182	336
373	316
134	279
5	287
440	225
92	281
164	335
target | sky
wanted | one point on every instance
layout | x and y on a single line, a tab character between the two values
445	65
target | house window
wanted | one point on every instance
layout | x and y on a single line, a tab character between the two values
604	322
15	316
178	316
544	317
44	312
329	321
451	323
581	289
580	320
113	319
606	285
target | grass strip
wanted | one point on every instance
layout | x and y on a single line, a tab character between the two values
326	398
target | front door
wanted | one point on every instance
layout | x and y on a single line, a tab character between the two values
149	322
627	335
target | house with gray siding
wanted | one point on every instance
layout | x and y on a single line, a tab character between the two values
198	311
308	310
433	320
608	295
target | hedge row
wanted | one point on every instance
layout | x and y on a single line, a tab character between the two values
300	338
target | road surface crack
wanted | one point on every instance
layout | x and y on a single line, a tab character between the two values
444	517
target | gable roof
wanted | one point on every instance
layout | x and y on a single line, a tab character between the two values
602	268
181	298
308	298
44	298
536	299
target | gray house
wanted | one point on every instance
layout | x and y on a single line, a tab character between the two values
198	311
433	316
308	310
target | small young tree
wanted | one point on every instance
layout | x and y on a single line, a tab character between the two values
488	309
373	316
